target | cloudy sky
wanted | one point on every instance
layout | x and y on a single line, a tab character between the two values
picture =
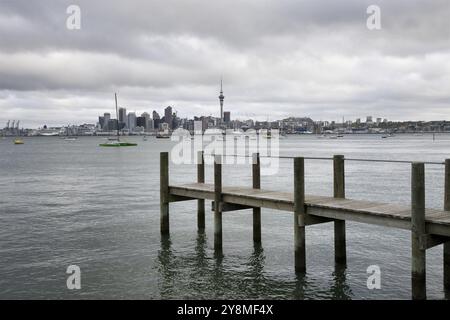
278	58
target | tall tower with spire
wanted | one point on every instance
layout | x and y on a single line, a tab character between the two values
221	97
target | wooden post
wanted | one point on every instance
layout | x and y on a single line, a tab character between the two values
447	244
217	203
164	192
299	215
340	254
256	170
418	263
200	202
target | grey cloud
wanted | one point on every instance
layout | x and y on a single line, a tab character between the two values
301	58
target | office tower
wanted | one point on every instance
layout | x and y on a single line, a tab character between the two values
369	119
112	124
106	118
156	119
226	117
168	116
141	122
122	117
221	97
150	124
131	121
146	116
101	122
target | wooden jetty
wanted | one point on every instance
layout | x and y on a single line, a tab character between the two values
429	227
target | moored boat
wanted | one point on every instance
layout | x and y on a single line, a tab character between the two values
115	142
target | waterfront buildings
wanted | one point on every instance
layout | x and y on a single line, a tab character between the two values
132	121
168	117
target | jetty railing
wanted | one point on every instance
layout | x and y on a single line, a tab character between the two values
427	230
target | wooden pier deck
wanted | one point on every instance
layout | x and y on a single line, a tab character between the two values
429	227
319	207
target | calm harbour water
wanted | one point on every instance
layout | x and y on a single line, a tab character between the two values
64	203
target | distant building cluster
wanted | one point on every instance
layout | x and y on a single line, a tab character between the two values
131	124
146	124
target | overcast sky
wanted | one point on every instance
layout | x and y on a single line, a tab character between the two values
278	58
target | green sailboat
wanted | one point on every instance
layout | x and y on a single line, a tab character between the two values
117	142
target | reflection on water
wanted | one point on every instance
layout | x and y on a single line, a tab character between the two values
207	274
338	287
166	266
76	203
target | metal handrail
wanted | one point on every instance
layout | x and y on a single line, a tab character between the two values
331	158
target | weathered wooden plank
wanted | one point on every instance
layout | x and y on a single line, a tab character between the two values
197	186
359	217
200	202
218	204
164	192
442	220
198	194
256	184
312	220
255	202
176	198
340	247
390	209
428	241
226	207
280	196
418	230
299	215
436	215
390	215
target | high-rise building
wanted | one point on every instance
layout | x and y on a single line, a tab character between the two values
141	122
101	122
145	115
227	117
221	98
106	118
168	116
150	124
122	117
369	119
156	120
112	124
131	121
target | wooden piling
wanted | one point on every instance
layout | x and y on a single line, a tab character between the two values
217	203
256	173
447	244
164	193
340	252
418	263
200	202
299	215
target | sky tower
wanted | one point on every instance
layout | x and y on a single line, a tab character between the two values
221	97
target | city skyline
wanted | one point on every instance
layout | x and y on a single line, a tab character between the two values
288	58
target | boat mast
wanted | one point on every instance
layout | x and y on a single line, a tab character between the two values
117	118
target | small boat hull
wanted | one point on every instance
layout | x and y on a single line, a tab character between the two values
118	144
